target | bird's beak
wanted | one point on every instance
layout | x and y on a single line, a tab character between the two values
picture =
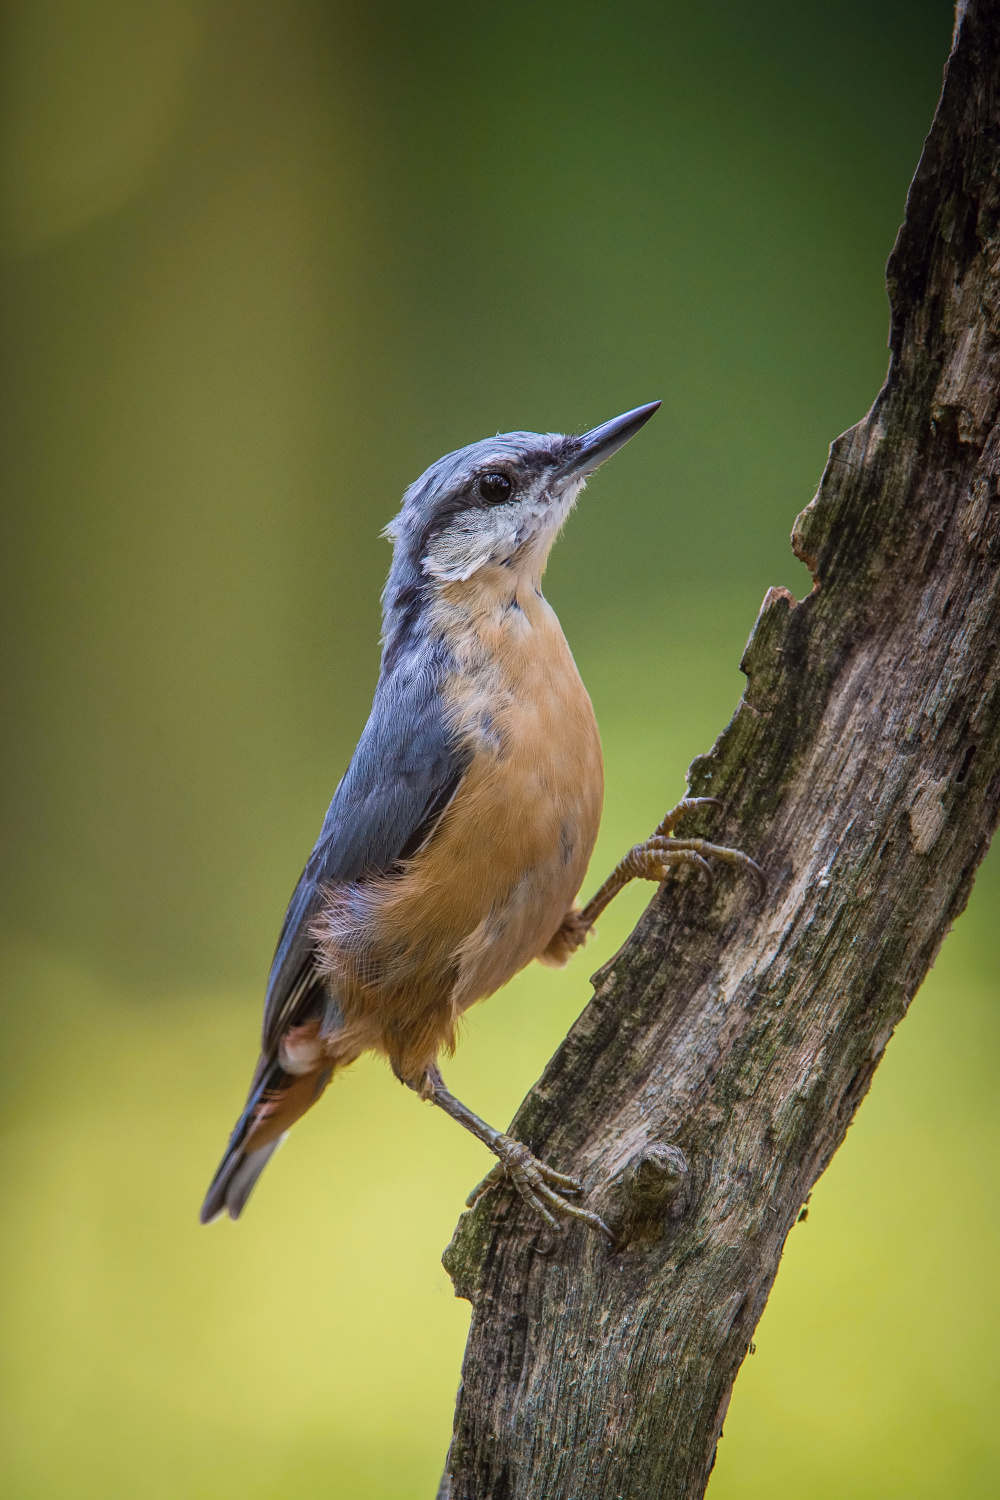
598	444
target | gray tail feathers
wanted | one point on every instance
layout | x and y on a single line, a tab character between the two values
239	1169
234	1181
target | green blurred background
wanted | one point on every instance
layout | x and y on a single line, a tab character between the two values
263	260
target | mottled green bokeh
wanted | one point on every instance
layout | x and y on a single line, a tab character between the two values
262	263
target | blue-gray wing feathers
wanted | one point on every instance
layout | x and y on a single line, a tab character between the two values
402	776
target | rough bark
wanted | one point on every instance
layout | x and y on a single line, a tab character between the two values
729	1043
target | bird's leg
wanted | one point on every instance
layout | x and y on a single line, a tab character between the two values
656	859
543	1189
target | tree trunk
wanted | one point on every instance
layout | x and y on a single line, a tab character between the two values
729	1043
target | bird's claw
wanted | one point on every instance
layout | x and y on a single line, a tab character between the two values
662	854
686	805
490	1181
542	1188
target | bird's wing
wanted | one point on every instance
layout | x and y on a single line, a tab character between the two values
403	774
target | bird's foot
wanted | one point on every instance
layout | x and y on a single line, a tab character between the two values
659	858
662	855
545	1191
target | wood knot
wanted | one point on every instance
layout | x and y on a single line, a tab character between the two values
651	1187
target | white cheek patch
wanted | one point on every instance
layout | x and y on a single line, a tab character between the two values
479	538
489	536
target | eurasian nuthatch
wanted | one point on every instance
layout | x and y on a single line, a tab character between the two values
455	845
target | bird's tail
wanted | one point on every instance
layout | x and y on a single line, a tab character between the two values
235	1180
239	1168
277	1099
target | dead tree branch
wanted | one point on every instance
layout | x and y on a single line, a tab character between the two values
728	1045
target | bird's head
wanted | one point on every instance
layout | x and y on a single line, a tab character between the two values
500	502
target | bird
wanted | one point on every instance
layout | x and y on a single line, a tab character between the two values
456	843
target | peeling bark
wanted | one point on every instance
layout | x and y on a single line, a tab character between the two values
729	1043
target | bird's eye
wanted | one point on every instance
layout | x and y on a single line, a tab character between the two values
494	489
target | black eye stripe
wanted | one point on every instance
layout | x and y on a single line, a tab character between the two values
470	498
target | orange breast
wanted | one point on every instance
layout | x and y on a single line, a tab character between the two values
490	889
525	822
